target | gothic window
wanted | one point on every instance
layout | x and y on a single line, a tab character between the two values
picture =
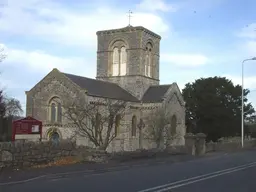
115	65
134	125
173	125
117	124
123	58
148	60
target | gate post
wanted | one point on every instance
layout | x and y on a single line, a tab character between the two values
200	143
190	143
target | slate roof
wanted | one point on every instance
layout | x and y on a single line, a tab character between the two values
100	88
155	93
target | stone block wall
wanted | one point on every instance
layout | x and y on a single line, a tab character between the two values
27	154
229	146
23	154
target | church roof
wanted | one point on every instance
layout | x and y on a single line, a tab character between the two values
100	88
155	93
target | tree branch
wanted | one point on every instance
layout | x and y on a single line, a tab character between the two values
96	120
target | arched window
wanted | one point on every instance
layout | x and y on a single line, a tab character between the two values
117	124
123	59
119	58
146	64
148	60
149	63
173	125
115	65
53	112
59	112
134	125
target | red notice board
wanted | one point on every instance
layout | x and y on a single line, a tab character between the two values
27	125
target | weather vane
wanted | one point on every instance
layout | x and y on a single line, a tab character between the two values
130	15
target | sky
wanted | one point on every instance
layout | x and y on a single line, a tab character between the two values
200	38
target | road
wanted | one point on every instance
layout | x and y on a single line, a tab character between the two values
229	173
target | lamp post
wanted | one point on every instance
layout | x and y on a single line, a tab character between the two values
242	111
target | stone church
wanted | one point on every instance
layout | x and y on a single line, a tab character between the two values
128	70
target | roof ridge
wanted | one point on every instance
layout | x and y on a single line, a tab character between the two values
161	85
91	78
102	84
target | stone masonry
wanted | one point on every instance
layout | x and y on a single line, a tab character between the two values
141	93
27	154
135	38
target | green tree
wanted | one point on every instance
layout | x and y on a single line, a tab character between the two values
213	106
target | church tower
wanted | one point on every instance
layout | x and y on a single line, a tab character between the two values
129	57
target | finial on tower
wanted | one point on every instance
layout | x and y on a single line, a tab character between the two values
130	15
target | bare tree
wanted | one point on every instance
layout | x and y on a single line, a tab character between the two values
2	54
12	107
96	121
157	125
2	104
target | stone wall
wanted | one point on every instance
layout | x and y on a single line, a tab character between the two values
27	154
196	145
125	156
22	154
229	146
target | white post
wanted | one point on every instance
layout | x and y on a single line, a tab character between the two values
242	106
242	103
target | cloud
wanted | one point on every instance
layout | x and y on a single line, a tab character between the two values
199	5
54	22
156	5
249	82
248	35
251	47
40	60
184	60
249	31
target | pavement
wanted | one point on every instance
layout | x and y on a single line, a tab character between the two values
232	172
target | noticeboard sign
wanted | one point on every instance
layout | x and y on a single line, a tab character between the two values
26	126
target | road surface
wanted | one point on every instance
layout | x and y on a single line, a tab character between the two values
229	172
